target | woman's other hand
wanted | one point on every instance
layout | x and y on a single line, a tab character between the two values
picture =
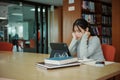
87	32
73	34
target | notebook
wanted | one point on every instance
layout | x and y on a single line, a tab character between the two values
51	66
60	60
59	50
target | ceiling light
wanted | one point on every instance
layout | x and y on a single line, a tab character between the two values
33	9
3	17
17	14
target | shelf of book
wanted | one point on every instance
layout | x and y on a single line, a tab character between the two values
98	14
106	23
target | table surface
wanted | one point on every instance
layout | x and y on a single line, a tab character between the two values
22	66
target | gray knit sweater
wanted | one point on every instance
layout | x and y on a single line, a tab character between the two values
85	48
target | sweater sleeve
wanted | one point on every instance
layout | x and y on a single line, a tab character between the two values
88	49
73	47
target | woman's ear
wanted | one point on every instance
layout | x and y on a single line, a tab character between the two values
87	29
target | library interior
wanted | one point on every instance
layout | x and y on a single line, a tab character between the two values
29	26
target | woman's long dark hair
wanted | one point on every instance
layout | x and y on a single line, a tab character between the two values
83	24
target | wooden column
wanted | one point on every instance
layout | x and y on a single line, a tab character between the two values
70	13
116	27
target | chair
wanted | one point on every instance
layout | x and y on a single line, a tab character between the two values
32	43
108	52
6	46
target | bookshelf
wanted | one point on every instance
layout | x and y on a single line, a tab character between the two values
106	23
98	14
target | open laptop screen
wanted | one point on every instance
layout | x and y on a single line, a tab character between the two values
59	50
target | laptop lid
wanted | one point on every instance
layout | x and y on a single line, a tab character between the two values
59	50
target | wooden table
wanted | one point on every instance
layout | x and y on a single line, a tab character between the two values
22	66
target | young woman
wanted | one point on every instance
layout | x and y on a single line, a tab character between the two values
84	43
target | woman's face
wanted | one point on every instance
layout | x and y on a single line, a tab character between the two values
78	31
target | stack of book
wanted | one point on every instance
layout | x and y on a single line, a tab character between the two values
59	62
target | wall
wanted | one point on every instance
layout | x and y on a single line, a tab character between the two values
69	17
56	25
116	27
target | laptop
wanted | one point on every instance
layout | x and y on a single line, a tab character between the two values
59	50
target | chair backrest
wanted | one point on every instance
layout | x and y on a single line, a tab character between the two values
6	46
108	52
32	43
